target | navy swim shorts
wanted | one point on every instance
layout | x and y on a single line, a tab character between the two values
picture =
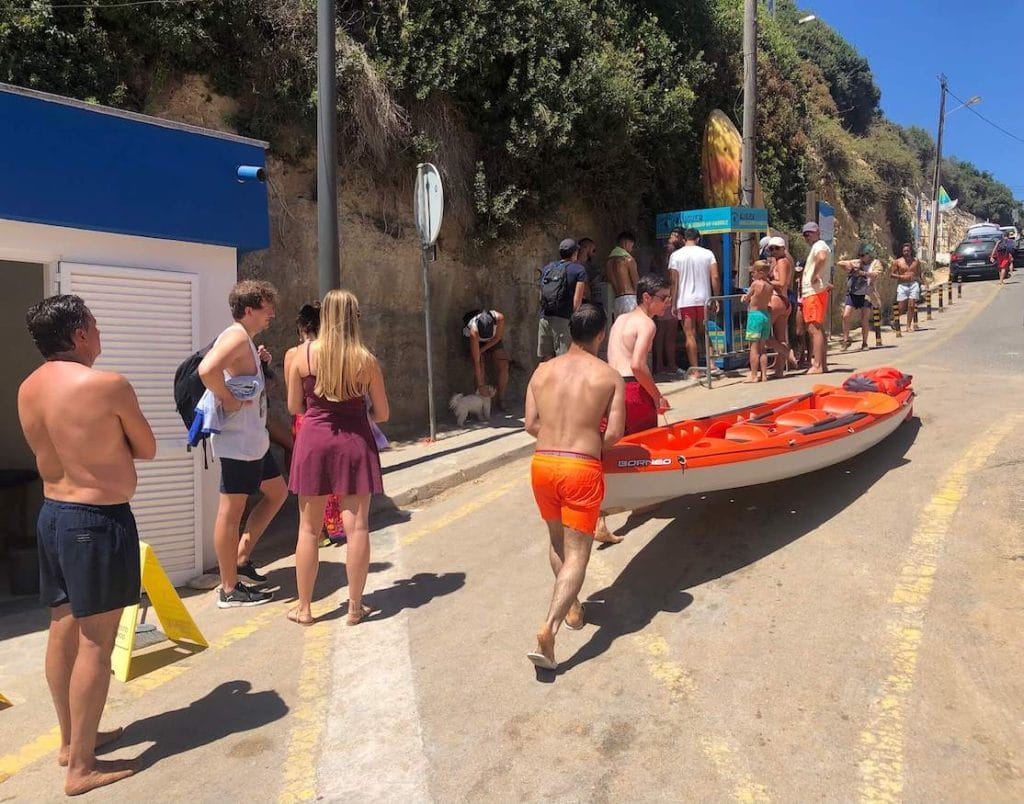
88	557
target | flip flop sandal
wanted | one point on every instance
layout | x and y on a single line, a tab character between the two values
293	616
542	661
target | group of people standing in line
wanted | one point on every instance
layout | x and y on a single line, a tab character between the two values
86	429
335	389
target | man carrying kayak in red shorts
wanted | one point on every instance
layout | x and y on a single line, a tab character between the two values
629	344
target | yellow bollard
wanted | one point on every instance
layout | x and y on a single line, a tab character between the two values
928	303
959	287
896	319
949	288
876	324
941	310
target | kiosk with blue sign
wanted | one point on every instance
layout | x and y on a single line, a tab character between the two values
724	221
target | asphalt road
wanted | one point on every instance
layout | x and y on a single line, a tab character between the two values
847	635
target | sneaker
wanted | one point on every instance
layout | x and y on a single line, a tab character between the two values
242	595
248	569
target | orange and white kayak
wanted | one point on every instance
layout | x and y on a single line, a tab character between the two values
761	443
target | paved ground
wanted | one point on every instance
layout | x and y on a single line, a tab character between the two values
851	634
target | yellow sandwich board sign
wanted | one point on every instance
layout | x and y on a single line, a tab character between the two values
4	702
175	620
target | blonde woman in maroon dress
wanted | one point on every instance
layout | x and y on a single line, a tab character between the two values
335	452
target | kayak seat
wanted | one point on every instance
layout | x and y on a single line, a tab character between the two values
801	418
840	404
747	432
717	430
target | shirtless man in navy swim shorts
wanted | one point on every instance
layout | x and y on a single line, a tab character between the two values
86	430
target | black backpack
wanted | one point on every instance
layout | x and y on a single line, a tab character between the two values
188	387
554	289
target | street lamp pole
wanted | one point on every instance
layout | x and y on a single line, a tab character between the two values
328	257
934	233
749	128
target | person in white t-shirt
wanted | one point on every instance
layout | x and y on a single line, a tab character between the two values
695	278
815	285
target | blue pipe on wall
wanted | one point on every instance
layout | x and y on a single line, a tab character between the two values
248	172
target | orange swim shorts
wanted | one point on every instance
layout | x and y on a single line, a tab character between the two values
569	487
815	307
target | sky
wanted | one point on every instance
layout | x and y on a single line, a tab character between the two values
976	44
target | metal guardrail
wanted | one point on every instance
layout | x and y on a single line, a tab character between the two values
716	347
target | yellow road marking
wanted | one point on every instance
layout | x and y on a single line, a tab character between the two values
459	513
45	744
29	753
670	674
680	685
300	782
881	763
308	716
723	756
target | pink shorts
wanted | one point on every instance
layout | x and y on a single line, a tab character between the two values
695	313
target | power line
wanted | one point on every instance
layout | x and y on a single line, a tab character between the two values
125	4
972	110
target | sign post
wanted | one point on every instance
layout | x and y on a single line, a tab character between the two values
428	206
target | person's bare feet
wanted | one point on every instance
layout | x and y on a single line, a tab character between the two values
575	619
102	738
602	534
103	772
546	644
752	379
816	370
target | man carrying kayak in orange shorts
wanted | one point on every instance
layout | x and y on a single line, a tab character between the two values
566	401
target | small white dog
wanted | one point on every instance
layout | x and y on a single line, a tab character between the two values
478	404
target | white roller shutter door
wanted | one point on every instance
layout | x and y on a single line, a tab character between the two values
148	323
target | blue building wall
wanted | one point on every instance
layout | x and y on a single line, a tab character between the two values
65	165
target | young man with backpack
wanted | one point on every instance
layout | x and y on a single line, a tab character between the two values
241	443
563	286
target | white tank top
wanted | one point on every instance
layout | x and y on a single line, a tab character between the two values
243	435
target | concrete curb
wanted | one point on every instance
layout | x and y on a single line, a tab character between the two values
472	470
442	483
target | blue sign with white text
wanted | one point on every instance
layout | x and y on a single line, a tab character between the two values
719	220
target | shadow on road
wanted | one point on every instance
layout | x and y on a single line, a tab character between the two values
230	708
408	593
709	536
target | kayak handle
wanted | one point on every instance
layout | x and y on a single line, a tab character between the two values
782	407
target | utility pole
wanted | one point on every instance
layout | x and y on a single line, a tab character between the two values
328	258
936	175
749	128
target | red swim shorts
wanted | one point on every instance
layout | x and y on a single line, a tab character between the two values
641	412
568	487
695	313
815	307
